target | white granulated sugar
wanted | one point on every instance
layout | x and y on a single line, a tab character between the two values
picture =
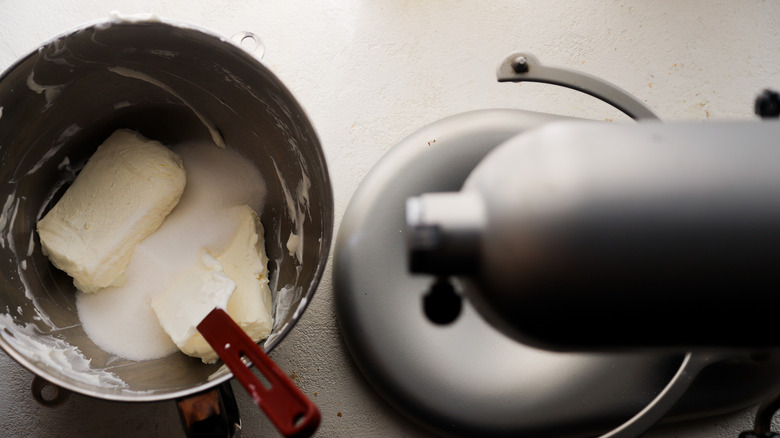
120	320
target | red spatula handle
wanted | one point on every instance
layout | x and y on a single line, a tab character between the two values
288	408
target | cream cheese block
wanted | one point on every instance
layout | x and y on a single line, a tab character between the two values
183	305
121	196
244	262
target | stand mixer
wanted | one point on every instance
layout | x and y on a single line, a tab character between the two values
612	253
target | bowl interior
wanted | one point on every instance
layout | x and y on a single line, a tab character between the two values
171	83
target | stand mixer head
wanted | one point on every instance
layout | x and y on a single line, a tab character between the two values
566	233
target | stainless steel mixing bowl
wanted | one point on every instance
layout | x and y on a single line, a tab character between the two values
170	82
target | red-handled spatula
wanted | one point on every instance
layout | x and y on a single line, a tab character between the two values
288	408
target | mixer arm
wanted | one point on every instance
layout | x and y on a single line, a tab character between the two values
525	67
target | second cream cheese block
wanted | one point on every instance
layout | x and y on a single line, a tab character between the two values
243	261
183	305
121	196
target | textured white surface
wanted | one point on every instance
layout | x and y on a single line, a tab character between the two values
371	72
93	241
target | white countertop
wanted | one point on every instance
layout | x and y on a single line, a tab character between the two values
370	72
